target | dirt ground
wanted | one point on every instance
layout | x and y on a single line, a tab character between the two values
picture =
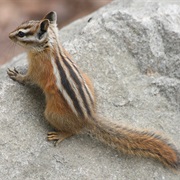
13	12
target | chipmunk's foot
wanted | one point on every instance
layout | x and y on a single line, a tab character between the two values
58	137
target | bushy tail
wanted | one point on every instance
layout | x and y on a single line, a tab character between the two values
130	141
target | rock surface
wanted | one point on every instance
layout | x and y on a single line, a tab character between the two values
131	51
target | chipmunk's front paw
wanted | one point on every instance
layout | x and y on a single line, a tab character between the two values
15	75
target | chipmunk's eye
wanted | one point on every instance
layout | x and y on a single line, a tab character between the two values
20	34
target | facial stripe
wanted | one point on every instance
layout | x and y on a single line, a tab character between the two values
24	30
28	39
27	32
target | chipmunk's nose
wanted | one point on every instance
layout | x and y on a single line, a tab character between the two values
11	36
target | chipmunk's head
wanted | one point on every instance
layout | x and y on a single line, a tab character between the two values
36	35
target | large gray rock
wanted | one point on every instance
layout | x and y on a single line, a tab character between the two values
131	50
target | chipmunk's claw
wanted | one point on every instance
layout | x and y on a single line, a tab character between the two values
15	75
16	70
12	73
58	137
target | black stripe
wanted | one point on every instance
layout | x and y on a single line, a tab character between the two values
29	33
65	83
84	86
78	83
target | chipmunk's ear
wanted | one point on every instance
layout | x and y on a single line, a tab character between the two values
52	17
44	24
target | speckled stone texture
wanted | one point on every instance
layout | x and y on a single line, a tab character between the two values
131	51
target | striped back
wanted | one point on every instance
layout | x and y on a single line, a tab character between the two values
72	85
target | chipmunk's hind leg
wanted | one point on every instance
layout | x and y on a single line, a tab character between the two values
58	137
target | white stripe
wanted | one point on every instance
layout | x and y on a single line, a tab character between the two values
60	87
90	94
76	91
81	79
24	30
29	38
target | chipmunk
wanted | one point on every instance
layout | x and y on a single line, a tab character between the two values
70	98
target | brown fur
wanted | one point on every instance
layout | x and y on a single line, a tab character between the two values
135	142
57	112
61	117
